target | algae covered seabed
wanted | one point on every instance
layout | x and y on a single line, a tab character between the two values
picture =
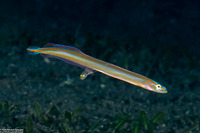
158	40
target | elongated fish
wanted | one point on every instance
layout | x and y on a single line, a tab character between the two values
76	57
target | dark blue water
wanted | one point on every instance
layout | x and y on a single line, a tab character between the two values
158	39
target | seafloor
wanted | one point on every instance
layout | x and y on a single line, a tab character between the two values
158	40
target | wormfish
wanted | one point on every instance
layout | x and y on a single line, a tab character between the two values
90	64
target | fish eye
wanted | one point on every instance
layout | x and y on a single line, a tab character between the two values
158	87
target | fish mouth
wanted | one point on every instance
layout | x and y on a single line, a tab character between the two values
163	91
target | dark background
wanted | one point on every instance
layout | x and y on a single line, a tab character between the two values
159	39
172	22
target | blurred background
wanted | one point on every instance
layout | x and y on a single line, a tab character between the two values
172	22
158	39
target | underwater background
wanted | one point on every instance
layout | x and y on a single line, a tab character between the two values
158	39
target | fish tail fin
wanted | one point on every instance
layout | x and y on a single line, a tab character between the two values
32	50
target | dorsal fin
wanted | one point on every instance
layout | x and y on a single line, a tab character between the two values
63	46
